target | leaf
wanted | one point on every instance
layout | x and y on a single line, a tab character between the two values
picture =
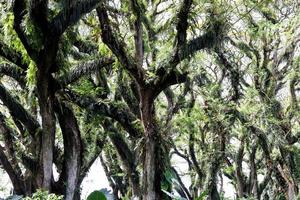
96	195
202	195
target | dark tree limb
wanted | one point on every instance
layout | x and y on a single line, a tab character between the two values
14	177
115	111
118	47
87	165
182	190
182	24
71	13
192	153
240	179
127	94
9	142
138	36
127	158
38	10
19	10
18	111
14	72
82	69
72	148
12	56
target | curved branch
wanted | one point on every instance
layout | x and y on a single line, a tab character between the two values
71	14
182	24
15	179
13	72
72	148
127	157
9	142
83	69
12	56
118	47
115	111
18	111
19	10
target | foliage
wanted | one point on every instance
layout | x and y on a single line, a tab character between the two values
43	195
96	195
187	99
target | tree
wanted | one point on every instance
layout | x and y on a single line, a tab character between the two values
136	83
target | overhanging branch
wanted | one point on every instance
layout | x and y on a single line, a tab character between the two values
118	47
113	110
83	69
71	14
18	111
19	10
13	72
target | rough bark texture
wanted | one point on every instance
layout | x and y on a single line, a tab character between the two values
128	159
72	151
152	170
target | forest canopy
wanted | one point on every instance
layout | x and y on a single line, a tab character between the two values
142	84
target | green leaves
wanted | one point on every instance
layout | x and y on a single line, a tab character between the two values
43	195
96	195
31	74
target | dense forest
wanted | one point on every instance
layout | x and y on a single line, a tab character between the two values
140	84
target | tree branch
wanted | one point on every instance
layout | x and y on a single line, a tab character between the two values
18	111
83	69
39	12
118	47
115	111
138	36
72	148
16	181
13	72
12	56
127	157
71	13
9	141
182	24
19	10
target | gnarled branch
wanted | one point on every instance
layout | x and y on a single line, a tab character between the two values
71	13
83	69
18	111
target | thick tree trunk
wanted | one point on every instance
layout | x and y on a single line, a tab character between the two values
45	66
153	163
48	134
72	150
211	185
152	175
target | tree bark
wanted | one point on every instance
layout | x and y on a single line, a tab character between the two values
128	160
45	66
153	162
211	185
72	150
17	182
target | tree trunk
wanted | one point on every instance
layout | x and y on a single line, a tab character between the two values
153	163
45	66
72	150
240	181
253	183
220	145
48	134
